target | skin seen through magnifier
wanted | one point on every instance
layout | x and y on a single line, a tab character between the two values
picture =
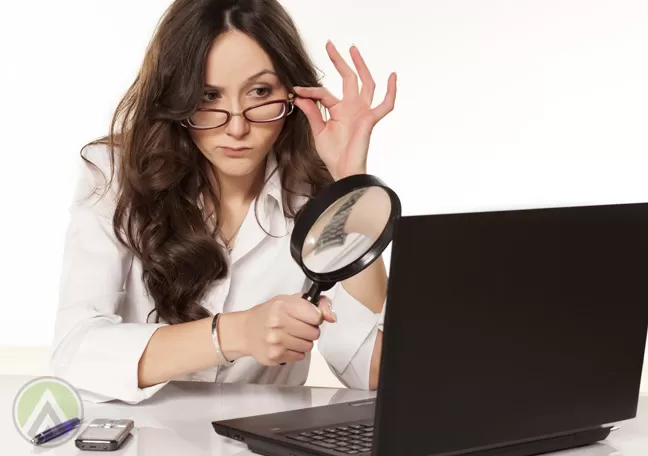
342	235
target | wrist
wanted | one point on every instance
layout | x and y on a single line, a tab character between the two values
232	336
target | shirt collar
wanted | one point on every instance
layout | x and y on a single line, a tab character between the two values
271	196
269	219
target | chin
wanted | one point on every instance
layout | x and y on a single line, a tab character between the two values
238	166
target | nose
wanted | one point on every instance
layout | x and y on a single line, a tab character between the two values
238	126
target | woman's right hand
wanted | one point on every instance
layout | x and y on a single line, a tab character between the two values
284	328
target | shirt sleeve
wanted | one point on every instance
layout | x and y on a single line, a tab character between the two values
348	344
92	348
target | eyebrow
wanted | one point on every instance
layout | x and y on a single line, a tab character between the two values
247	81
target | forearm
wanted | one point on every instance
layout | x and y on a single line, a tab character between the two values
374	369
370	288
188	347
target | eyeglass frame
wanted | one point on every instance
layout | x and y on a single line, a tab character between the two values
289	108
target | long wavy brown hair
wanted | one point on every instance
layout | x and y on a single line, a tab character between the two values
161	173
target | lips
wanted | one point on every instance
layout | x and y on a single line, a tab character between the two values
234	151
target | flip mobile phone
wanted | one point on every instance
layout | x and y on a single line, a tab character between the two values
104	435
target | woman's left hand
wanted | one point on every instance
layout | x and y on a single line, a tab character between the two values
343	141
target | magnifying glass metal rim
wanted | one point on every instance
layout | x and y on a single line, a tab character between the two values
315	207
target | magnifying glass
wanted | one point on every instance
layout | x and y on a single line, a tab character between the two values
343	230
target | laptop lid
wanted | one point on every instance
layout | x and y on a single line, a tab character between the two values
512	325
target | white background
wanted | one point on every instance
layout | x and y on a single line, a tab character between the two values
501	104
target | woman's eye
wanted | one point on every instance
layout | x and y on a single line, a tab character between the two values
262	91
209	97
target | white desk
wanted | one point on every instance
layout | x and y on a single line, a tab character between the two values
177	421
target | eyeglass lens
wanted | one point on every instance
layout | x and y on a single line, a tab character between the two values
262	113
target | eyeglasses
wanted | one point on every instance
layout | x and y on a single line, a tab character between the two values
270	111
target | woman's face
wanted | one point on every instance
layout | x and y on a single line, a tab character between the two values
238	74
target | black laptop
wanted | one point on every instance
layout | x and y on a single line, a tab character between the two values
506	333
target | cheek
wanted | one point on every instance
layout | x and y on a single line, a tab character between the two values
205	140
267	134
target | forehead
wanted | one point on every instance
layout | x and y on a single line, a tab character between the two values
233	57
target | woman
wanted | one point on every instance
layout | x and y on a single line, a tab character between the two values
177	262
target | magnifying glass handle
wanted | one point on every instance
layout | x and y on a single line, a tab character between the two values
312	296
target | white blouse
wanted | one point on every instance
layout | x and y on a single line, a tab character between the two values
101	325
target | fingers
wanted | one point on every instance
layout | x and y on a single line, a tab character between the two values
388	103
293	343
280	355
282	340
327	309
368	83
349	87
322	94
292	327
349	78
302	330
303	310
312	113
283	345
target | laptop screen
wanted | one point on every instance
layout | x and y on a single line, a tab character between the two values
511	325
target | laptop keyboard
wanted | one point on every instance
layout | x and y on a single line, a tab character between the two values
348	439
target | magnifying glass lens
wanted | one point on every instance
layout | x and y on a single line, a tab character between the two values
346	230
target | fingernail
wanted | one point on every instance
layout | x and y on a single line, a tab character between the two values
332	311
